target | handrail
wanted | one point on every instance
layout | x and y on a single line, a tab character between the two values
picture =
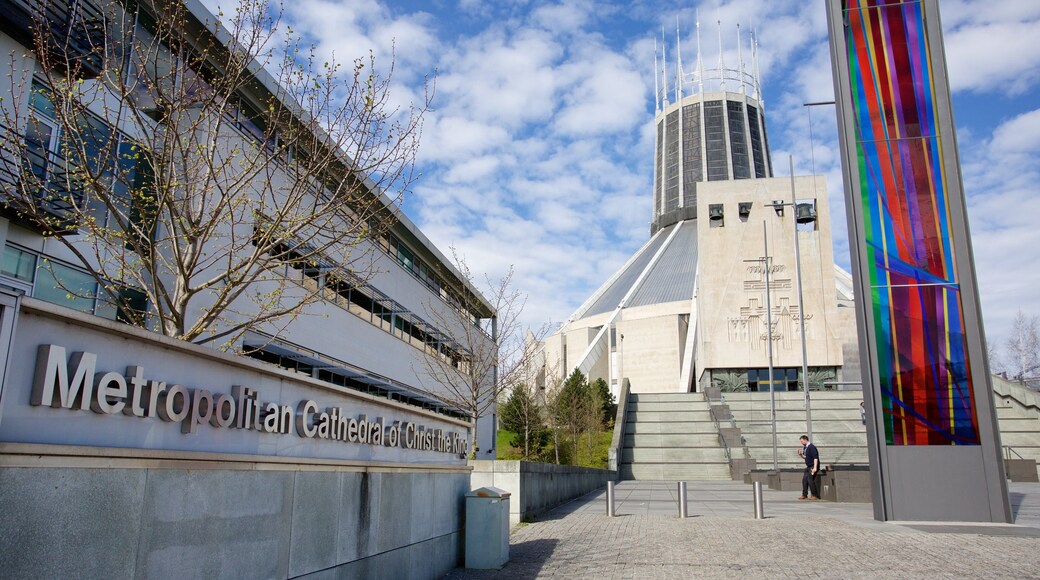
618	440
718	431
1008	450
1027	398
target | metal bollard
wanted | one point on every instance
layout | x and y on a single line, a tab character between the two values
760	513
682	499
610	499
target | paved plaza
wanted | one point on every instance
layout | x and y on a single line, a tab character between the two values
797	539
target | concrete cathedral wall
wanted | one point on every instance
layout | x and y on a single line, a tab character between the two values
88	491
537	487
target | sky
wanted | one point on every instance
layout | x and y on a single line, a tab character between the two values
537	151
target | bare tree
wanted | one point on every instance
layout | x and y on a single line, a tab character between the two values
1023	346
209	165
483	352
552	403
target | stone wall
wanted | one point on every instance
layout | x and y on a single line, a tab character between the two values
183	522
537	487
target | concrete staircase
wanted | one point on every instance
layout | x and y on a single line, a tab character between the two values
837	429
671	436
1018	416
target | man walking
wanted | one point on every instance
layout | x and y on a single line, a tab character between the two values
812	467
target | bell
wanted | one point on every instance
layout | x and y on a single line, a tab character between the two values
805	213
744	209
715	212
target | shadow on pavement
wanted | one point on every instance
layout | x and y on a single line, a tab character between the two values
1016	500
526	560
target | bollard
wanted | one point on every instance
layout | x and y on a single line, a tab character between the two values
682	499
610	499
759	511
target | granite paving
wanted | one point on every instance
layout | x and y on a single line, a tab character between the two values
797	539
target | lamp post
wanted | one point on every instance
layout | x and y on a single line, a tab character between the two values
778	206
765	259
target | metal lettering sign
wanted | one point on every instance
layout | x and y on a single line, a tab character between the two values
74	383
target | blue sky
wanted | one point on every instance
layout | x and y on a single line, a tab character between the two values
538	150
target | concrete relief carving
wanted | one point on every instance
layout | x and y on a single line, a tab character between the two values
749	326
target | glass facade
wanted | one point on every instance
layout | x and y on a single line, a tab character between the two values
906	192
756	141
715	141
710	140
738	140
671	161
693	153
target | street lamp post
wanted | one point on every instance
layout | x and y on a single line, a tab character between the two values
801	303
765	259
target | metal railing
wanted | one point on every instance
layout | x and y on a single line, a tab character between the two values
718	432
1008	450
617	442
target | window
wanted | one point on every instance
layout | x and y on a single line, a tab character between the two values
715	141
60	284
737	141
783	379
64	285
19	264
59	164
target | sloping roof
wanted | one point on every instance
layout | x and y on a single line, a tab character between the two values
672	276
668	279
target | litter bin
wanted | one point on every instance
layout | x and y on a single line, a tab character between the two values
487	528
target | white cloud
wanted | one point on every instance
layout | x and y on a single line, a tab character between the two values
1019	135
1001	57
503	79
538	151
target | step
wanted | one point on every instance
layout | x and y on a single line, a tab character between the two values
764	454
819	438
796	414
1020	439
1006	424
673	427
794	405
668	416
672	440
798	426
665	397
676	472
639	406
642	455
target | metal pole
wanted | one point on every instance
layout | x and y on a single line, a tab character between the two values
760	513
769	340
801	308
682	499
610	499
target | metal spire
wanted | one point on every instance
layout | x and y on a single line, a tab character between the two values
664	66
758	76
722	62
740	61
657	89
700	63
679	70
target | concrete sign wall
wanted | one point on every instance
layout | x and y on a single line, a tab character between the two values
126	454
75	380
